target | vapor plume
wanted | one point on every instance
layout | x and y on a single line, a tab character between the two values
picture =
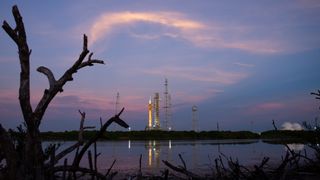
291	126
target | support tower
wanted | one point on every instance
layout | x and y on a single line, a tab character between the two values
117	103
167	106
195	118
156	102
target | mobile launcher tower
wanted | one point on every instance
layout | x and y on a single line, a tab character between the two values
154	112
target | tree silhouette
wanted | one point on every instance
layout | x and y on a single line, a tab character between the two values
25	157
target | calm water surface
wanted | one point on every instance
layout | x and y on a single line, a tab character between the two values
199	155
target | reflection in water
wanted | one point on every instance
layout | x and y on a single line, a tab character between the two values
129	144
196	154
150	157
154	150
296	147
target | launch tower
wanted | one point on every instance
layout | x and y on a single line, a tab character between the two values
156	102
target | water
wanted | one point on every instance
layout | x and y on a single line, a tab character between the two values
199	155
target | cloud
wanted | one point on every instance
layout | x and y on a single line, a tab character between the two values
201	74
244	65
186	98
145	36
291	126
266	107
177	25
307	4
259	46
270	106
105	24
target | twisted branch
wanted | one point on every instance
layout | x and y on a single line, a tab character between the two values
57	85
99	134
46	71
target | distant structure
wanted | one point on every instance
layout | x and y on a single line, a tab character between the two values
117	103
150	114
195	118
156	103
154	111
167	106
170	114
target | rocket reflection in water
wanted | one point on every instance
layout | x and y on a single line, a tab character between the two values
154	151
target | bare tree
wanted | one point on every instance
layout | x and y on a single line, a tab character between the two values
28	160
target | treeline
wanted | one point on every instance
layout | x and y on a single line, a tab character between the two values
303	136
290	136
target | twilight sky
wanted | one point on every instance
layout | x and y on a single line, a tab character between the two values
243	63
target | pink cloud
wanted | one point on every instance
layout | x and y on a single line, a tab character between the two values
105	23
204	35
266	107
202	74
244	65
99	102
296	105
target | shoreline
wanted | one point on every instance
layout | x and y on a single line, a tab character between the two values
272	137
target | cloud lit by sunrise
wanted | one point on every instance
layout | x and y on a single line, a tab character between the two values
199	74
108	21
200	34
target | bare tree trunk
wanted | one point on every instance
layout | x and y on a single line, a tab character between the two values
34	161
33	156
29	163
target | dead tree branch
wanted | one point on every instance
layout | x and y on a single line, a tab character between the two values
274	125
317	94
183	162
66	151
32	163
18	35
181	170
80	139
109	170
99	134
56	86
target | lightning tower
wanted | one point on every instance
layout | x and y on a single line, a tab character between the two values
167	106
195	118
117	103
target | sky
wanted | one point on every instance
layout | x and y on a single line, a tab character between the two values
242	63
